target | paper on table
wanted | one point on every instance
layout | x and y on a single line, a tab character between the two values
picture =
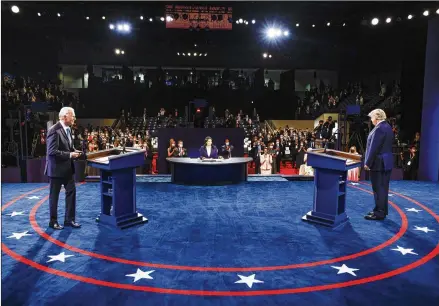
103	160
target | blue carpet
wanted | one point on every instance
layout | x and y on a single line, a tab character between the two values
255	225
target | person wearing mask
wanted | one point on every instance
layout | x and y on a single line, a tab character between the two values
278	148
353	174
256	155
272	152
304	168
226	149
181	151
410	163
208	150
266	161
171	151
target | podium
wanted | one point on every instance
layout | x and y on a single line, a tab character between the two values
118	185
330	176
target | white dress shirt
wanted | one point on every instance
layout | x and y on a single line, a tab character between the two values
209	150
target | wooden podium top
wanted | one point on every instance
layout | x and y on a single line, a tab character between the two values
104	156
340	155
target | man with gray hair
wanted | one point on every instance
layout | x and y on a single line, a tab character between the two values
379	161
60	167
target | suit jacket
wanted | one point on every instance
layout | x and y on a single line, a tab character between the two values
58	161
213	152
379	156
183	153
224	152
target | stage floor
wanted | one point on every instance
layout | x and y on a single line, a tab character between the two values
222	245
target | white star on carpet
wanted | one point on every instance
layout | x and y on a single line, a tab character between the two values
16	213
345	269
413	210
249	280
404	251
33	198
60	257
355	184
141	274
423	229
18	236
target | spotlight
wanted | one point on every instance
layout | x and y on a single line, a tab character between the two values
205	54
88	18
184	54
388	20
15	9
240	20
344	24
375	21
178	53
195	54
111	26
168	19
162	18
286	33
269	56
409	17
253	21
150	19
271	33
278	32
117	51
122	52
195	45
265	55
297	25
103	17
126	27
39	14
120	27
59	15
313	25
141	17
437	11
426	13
246	22
328	24
237	21
188	54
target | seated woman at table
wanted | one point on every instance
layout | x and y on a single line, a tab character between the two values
208	150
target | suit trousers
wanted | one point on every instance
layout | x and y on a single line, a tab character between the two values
380	185
55	188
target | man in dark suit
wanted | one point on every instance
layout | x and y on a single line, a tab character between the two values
226	149
379	161
181	151
60	169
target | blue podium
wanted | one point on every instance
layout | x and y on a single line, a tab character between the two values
118	185
330	176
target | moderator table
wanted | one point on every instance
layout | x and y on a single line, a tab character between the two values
185	170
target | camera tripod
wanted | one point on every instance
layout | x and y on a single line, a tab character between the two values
357	141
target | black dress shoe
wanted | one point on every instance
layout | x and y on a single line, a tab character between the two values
55	225
72	224
373	217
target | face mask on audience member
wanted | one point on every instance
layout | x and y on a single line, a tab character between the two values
173	144
271	147
180	145
227	143
277	142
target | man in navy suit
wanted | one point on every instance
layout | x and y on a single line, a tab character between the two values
60	168
379	161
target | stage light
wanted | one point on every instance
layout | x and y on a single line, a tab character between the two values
246	22
111	26
278	32
205	54
344	24
426	13
117	51
253	21
264	55
88	18
437	11
375	21
39	14
168	19
195	45
195	54
122	52
162	18
237	21
269	56
388	20
240	20
297	25
184	54
103	17
286	33
126	27
188	54
313	25
141	17
271	33
59	15
328	24
15	9
178	53
409	17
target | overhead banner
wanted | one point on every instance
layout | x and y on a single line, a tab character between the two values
198	17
